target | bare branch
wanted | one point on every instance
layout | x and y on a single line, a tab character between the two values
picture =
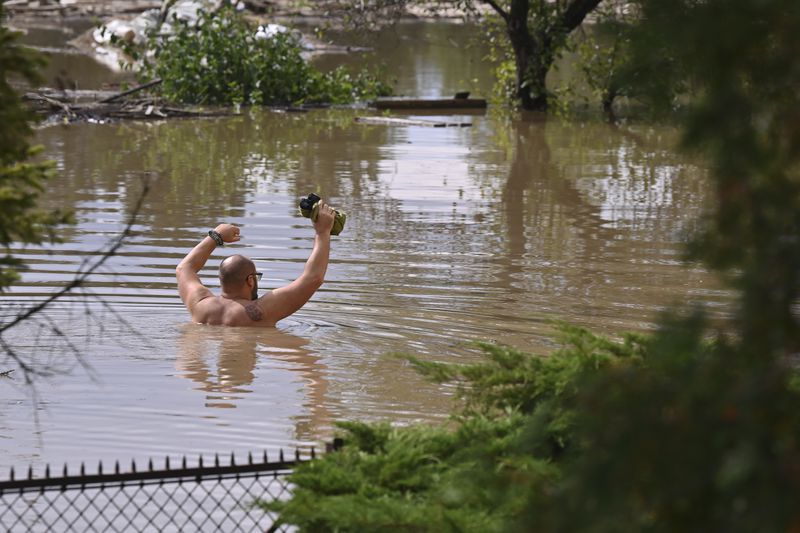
88	267
497	8
82	275
576	11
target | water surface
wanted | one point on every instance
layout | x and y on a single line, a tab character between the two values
453	235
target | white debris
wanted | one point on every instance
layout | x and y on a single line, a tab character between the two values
136	30
118	28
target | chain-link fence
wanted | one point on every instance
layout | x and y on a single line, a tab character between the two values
215	497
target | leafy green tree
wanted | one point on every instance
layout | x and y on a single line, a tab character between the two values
696	439
22	178
226	60
605	56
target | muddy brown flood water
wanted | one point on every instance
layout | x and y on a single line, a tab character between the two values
458	234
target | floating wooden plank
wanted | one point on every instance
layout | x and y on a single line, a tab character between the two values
430	103
408	122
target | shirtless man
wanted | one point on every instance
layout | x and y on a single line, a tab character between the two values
239	304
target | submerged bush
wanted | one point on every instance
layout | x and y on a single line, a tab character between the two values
224	60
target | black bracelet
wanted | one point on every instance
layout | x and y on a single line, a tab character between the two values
217	237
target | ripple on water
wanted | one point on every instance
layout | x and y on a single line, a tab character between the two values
452	237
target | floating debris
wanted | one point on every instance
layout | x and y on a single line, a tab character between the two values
409	122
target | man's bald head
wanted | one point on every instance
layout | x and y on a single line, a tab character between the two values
233	272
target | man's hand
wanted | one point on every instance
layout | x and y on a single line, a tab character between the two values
229	232
324	221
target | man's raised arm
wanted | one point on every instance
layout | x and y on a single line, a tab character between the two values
190	287
284	301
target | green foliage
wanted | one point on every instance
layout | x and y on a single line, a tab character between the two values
695	440
500	54
534	34
612	68
21	180
418	478
741	56
224	60
457	478
688	429
603	54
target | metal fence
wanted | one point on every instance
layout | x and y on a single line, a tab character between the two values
203	497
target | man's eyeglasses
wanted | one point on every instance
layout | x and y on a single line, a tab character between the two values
256	274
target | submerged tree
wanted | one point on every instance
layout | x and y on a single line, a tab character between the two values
223	58
537	32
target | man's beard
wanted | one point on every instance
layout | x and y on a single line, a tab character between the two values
254	294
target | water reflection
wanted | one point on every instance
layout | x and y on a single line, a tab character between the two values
204	170
422	59
453	235
544	209
223	362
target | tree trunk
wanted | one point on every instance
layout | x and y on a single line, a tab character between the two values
534	54
531	89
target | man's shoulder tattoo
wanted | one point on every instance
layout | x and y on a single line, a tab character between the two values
254	312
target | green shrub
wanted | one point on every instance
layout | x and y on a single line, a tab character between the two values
456	478
21	180
222	61
697	439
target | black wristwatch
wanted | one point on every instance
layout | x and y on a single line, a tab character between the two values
217	237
